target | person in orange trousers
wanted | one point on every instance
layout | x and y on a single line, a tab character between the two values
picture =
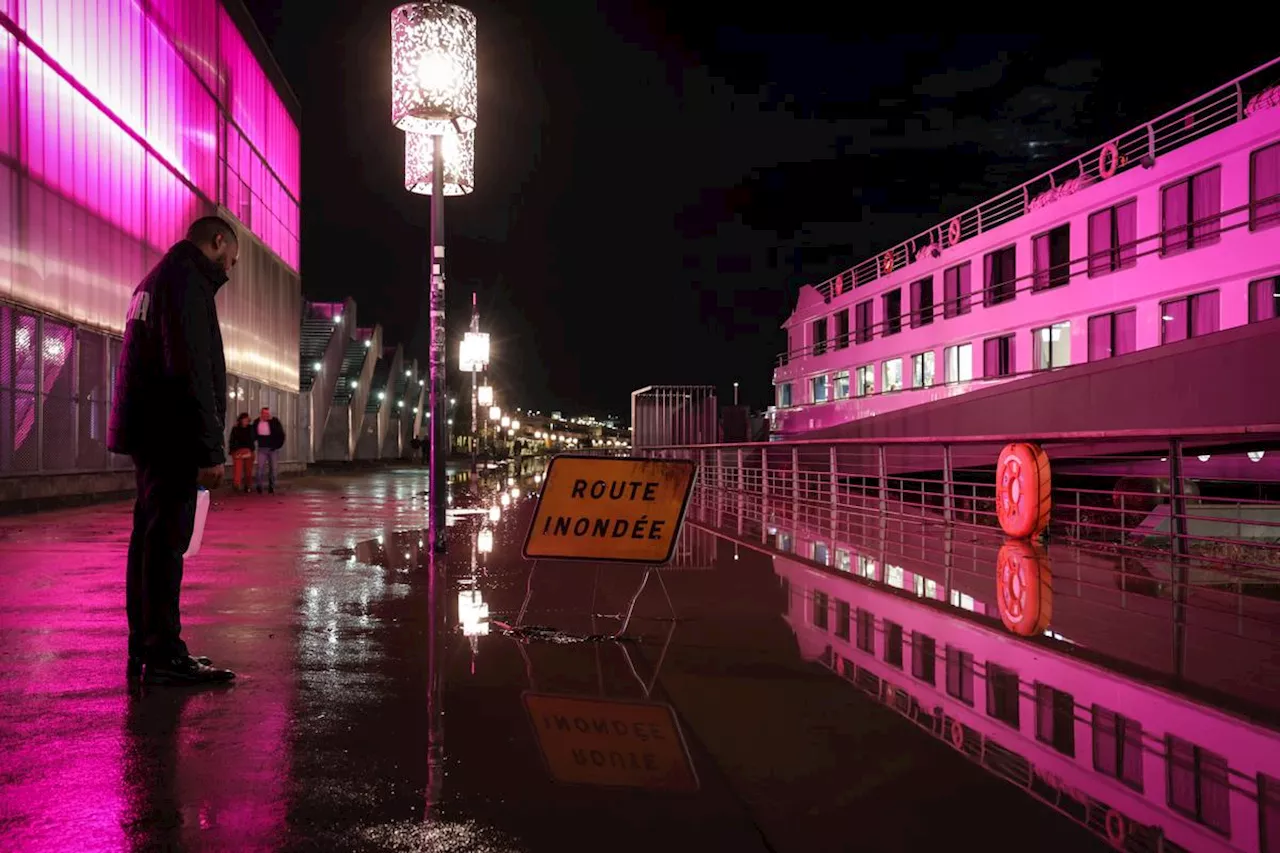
241	446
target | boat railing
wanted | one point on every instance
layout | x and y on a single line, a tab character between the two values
1226	105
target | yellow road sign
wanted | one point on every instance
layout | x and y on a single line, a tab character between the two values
608	743
610	509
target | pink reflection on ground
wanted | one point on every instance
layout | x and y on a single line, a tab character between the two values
92	764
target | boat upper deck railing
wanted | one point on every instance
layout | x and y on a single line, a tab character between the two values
1226	105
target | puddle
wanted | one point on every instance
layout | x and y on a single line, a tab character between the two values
545	634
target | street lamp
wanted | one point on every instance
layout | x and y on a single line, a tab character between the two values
473	356
433	94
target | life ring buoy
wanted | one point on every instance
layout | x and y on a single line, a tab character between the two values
886	262
953	231
1023	490
1024	588
1108	160
1116	829
957	734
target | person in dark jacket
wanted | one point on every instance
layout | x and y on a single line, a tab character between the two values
241	446
269	435
168	412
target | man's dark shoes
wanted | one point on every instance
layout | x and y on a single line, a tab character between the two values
185	670
133	669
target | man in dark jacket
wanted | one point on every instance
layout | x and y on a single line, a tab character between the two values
269	435
168	413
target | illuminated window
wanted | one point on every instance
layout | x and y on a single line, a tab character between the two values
1000	276
959	363
997	357
1189	317
864	321
1264	187
1052	346
864	380
820	336
922	302
1264	299
892	312
1191	211
841	391
842	328
1113	238
922	370
1051	258
892	375
955	290
784	395
1113	334
818	389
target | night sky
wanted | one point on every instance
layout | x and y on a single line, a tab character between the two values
654	184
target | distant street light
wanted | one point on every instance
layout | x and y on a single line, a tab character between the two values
433	99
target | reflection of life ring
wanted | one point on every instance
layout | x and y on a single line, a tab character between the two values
888	694
1116	830
1108	160
953	231
886	262
1024	588
1023	495
957	734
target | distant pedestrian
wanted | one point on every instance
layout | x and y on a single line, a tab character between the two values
241	446
269	437
168	412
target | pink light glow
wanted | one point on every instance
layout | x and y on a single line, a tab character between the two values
156	77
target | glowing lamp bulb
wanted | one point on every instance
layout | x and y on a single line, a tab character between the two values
495	513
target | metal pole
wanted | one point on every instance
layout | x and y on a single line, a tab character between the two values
439	425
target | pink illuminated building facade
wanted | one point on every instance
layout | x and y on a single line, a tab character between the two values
1167	232
120	122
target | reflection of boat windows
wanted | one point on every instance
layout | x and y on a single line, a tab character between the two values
893	577
821	553
842	619
866	567
893	644
821	606
960	675
924	653
843	560
959	599
1117	747
1199	784
866	631
1056	719
1002	694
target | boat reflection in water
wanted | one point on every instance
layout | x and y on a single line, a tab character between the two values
1145	726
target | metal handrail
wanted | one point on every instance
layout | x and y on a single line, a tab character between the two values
975	297
1221	107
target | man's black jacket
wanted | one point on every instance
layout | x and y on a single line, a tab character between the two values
272	441
170	397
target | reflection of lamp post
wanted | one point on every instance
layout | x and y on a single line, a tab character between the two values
474	357
433	97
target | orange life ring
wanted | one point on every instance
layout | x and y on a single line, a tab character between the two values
953	231
1023	497
957	734
886	262
1024	588
1116	829
1108	160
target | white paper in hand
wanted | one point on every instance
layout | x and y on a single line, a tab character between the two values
197	529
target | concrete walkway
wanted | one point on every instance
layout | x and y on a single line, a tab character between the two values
366	718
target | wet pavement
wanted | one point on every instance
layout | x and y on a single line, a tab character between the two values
391	701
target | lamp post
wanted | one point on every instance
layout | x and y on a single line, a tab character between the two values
433	99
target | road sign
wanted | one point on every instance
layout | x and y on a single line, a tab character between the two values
609	743
610	509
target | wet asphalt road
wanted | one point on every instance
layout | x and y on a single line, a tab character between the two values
366	718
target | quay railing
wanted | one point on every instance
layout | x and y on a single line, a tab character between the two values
1208	500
